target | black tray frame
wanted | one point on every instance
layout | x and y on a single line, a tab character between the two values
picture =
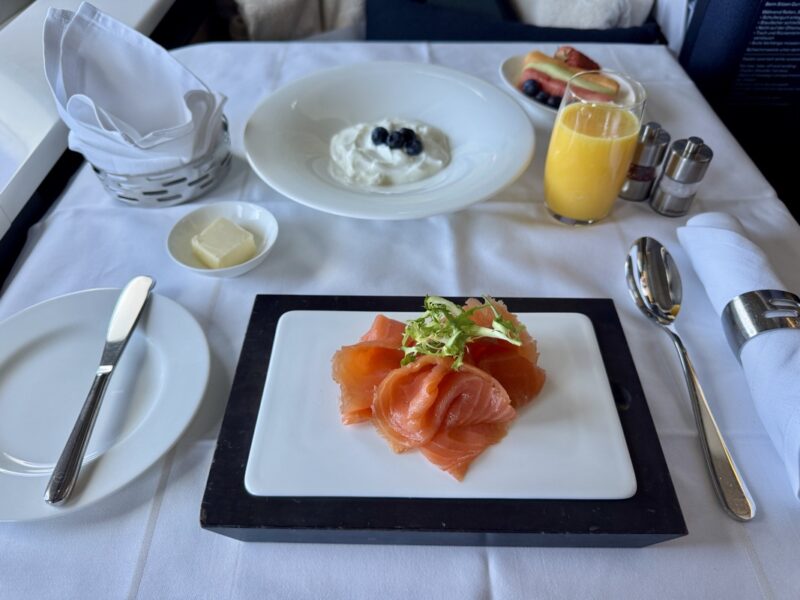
652	515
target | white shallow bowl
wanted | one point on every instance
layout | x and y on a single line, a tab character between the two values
287	137
510	69
256	219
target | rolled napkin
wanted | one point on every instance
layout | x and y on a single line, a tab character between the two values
729	264
130	107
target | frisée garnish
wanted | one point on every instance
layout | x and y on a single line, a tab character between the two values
445	329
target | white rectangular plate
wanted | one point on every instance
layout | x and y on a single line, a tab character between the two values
568	444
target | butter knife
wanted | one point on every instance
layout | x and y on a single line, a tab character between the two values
126	314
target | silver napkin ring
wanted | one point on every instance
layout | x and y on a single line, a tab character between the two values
752	313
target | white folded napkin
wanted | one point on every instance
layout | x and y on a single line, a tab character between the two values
729	264
131	108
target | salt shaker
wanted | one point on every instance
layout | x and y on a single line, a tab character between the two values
687	162
649	153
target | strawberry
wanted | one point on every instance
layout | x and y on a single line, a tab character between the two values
573	58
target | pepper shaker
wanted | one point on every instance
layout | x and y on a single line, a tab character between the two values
687	162
649	153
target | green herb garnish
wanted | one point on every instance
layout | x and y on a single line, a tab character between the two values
445	329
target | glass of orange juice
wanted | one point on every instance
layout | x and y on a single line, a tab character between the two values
592	145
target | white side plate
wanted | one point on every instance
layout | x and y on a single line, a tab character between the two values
568	444
48	357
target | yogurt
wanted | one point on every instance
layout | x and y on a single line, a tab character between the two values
356	159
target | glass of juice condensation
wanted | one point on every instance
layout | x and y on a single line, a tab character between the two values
592	144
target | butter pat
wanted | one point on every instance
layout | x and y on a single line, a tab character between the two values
223	244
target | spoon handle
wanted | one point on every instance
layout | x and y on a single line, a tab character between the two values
728	484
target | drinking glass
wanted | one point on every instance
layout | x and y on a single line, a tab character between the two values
592	144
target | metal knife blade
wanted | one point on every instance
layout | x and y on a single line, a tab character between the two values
126	314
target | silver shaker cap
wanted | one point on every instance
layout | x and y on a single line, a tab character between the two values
688	160
652	146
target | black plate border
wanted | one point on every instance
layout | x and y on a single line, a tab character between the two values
652	515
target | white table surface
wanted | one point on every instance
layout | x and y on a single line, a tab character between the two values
146	542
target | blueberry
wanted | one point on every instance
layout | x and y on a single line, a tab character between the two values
542	97
408	134
413	147
395	140
530	87
554	101
379	135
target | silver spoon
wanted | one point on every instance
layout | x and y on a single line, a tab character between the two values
655	285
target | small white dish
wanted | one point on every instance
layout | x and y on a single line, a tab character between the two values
288	136
256	219
48	357
510	69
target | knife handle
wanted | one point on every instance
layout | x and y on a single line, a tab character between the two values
65	474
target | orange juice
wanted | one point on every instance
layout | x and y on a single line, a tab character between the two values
590	152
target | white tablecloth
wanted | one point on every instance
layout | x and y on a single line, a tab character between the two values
146	542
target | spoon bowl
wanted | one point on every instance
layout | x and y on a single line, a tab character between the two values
654	281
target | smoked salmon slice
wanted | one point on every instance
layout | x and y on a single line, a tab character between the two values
386	330
405	408
360	368
452	416
454	449
515	367
466	375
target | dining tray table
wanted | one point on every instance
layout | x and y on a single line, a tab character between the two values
146	539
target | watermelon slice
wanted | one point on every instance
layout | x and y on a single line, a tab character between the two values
552	75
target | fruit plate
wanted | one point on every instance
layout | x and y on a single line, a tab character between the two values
312	498
510	69
287	137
